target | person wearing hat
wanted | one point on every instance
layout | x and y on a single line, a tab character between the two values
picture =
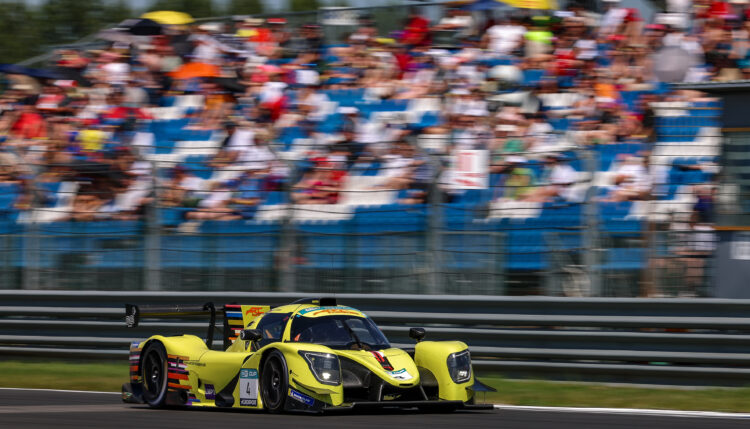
520	182
349	132
557	180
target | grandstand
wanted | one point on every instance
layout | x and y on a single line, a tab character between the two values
348	184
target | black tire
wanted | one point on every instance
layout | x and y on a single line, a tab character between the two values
154	374
274	382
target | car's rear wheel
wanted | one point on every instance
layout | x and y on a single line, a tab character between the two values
274	382
154	374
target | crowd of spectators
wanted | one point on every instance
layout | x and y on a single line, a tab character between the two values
252	80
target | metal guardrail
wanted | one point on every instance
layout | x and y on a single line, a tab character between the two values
671	341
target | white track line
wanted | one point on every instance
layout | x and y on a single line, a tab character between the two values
59	390
632	411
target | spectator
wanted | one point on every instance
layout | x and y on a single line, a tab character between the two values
557	181
631	180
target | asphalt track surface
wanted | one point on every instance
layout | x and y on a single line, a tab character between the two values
57	409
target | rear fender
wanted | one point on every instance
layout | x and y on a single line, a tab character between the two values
183	352
433	356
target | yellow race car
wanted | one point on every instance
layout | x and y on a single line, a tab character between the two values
311	356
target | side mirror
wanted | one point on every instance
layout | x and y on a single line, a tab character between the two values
417	334
251	335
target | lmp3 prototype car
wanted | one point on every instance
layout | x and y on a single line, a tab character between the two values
310	356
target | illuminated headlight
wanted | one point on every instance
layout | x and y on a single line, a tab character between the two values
459	366
324	366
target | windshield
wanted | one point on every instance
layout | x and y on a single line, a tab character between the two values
339	332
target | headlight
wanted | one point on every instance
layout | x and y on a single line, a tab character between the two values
459	366
324	366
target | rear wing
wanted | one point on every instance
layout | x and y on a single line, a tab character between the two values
133	314
236	317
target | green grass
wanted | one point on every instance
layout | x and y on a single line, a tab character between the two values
110	376
106	377
560	394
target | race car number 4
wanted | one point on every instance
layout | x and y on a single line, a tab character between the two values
248	387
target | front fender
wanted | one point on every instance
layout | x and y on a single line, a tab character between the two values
300	375
433	356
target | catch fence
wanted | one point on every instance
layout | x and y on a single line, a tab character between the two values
99	225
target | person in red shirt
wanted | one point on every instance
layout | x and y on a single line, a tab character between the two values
118	111
30	124
417	31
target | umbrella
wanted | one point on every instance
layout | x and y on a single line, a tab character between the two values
169	17
28	71
532	4
141	27
122	36
672	63
14	69
70	73
230	84
196	70
481	5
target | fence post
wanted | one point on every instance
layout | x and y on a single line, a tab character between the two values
31	240
591	227
287	245
31	254
152	240
434	232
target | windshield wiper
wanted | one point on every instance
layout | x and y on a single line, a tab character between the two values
353	334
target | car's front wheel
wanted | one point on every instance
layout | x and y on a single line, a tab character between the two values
274	382
154	374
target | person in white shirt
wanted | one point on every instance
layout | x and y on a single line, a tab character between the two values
115	70
632	180
505	37
613	18
560	177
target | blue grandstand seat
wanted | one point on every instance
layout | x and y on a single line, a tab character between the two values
173	216
624	259
8	194
197	164
288	135
532	77
331	124
428	119
274	198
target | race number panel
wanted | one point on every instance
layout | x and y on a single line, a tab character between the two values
248	387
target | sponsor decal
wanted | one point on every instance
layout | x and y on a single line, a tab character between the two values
248	387
328	311
210	392
382	360
402	374
255	311
177	373
301	397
